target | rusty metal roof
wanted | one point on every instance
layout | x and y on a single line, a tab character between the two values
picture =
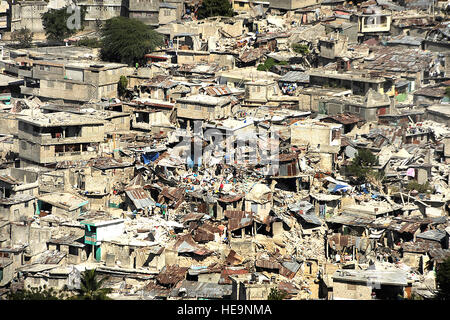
233	258
193	216
268	263
395	59
252	54
50	257
9	179
229	198
284	157
230	271
419	247
171	274
439	255
186	244
344	118
140	197
220	90
238	219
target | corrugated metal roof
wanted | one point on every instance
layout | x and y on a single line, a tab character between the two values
171	274
230	271
350	220
50	257
218	90
419	247
9	179
311	218
140	198
434	235
240	221
229	198
439	255
267	264
195	289
295	76
186	244
193	216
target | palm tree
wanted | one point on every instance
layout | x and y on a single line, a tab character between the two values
91	287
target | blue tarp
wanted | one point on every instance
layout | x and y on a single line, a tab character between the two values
191	163
338	187
147	158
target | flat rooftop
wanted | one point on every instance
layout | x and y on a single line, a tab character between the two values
205	99
57	119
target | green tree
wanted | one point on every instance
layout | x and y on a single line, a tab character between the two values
39	293
447	92
24	36
269	63
122	86
89	42
128	40
300	48
443	280
276	294
56	26
91	288
361	167
214	8
421	188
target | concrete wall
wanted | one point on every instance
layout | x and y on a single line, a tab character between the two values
291	4
375	23
118	124
313	135
8	124
75	84
100	10
27	14
46	154
167	15
8	274
38	239
202	112
257	291
17	211
350	291
110	231
20	233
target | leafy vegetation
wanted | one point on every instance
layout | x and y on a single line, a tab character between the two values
24	36
443	280
447	91
39	293
421	188
91	287
56	26
276	294
122	85
213	8
300	48
361	168
89	42
127	40
269	63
